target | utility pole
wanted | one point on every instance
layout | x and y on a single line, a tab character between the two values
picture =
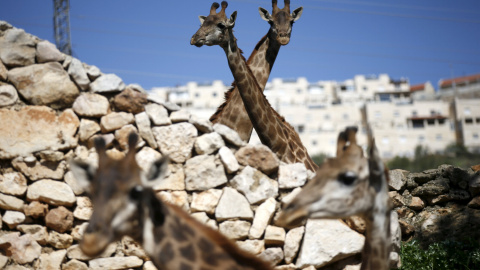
61	23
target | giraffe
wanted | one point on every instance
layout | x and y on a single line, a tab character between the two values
272	129
232	112
347	185
125	204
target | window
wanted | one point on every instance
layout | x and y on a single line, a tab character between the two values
378	114
438	137
475	136
299	91
385	140
365	88
478	120
421	138
214	94
396	113
327	117
468	121
197	94
314	142
467	111
441	121
418	124
433	112
345	116
414	113
301	128
431	122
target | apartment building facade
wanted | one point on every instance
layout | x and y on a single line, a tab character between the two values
401	116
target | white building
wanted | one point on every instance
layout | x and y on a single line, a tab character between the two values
468	118
401	116
462	87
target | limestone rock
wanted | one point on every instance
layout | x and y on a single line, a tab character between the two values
131	101
59	240
292	175
107	83
17	48
146	157
59	219
158	114
263	216
73	183
180	116
115	263
115	120
51	261
23	249
253	246
3	261
74	265
77	231
398	179
228	134
259	157
84	208
78	73
51	192
174	179
13	218
40	170
48	52
148	265
256	186
292	243
327	241
416	203
33	129
93	72
208	143
8	95
87	129
235	229
144	128
36	209
39	233
132	248
91	105
44	84
206	201
13	183
272	255
357	224
202	173
289	197
179	198
475	203
474	185
233	205
228	159
8	202
432	188
75	253
176	140
3	72
203	125
274	235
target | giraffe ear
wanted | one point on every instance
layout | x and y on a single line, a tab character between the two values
297	13
231	21
202	18
83	173
264	14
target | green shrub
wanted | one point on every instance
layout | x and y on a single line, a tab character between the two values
445	255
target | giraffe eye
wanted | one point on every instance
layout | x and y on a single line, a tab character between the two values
347	178
136	193
221	26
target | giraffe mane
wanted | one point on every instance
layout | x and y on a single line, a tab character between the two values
241	257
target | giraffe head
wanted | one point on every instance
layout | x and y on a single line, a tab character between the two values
214	27
281	20
339	188
120	193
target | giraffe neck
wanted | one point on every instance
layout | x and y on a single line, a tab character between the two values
272	128
376	252
232	112
174	240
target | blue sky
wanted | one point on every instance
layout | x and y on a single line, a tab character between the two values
148	42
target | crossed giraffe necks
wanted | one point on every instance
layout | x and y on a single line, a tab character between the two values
232	112
272	129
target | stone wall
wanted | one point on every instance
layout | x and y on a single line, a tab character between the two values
52	106
437	204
